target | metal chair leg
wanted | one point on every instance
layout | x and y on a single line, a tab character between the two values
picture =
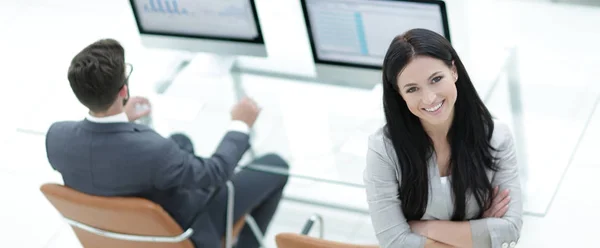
229	219
249	220
255	230
309	223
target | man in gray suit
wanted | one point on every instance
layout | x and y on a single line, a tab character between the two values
107	155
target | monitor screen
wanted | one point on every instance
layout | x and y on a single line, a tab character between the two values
358	32
233	20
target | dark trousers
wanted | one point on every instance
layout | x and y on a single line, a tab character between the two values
256	193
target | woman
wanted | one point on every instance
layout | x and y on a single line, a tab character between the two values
441	172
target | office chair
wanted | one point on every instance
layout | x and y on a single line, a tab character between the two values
294	240
131	222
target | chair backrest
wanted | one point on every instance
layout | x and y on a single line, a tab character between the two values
293	240
125	215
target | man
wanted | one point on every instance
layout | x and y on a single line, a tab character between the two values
107	155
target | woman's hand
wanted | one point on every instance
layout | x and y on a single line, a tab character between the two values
499	204
419	227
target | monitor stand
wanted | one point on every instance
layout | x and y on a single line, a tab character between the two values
207	65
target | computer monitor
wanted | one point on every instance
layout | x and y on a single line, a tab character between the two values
225	27
349	38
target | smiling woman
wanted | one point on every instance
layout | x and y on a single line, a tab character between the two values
439	143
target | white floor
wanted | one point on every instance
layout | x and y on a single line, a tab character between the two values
558	57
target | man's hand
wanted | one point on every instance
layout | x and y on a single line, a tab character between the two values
499	204
246	111
137	107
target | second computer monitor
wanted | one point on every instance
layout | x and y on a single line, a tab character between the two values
349	38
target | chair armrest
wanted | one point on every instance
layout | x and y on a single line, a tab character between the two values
130	237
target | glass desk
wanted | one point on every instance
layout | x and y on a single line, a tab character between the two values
322	129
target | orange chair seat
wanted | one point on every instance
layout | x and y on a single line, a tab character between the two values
125	215
293	240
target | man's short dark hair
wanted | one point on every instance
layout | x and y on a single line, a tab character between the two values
97	73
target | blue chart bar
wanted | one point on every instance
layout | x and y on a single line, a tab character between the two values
152	6
169	10
175	8
159	5
164	6
360	31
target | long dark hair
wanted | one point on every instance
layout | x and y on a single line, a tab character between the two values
469	135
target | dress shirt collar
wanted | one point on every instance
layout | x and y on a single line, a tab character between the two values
121	117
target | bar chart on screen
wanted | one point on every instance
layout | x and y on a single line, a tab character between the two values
223	8
165	6
231	18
